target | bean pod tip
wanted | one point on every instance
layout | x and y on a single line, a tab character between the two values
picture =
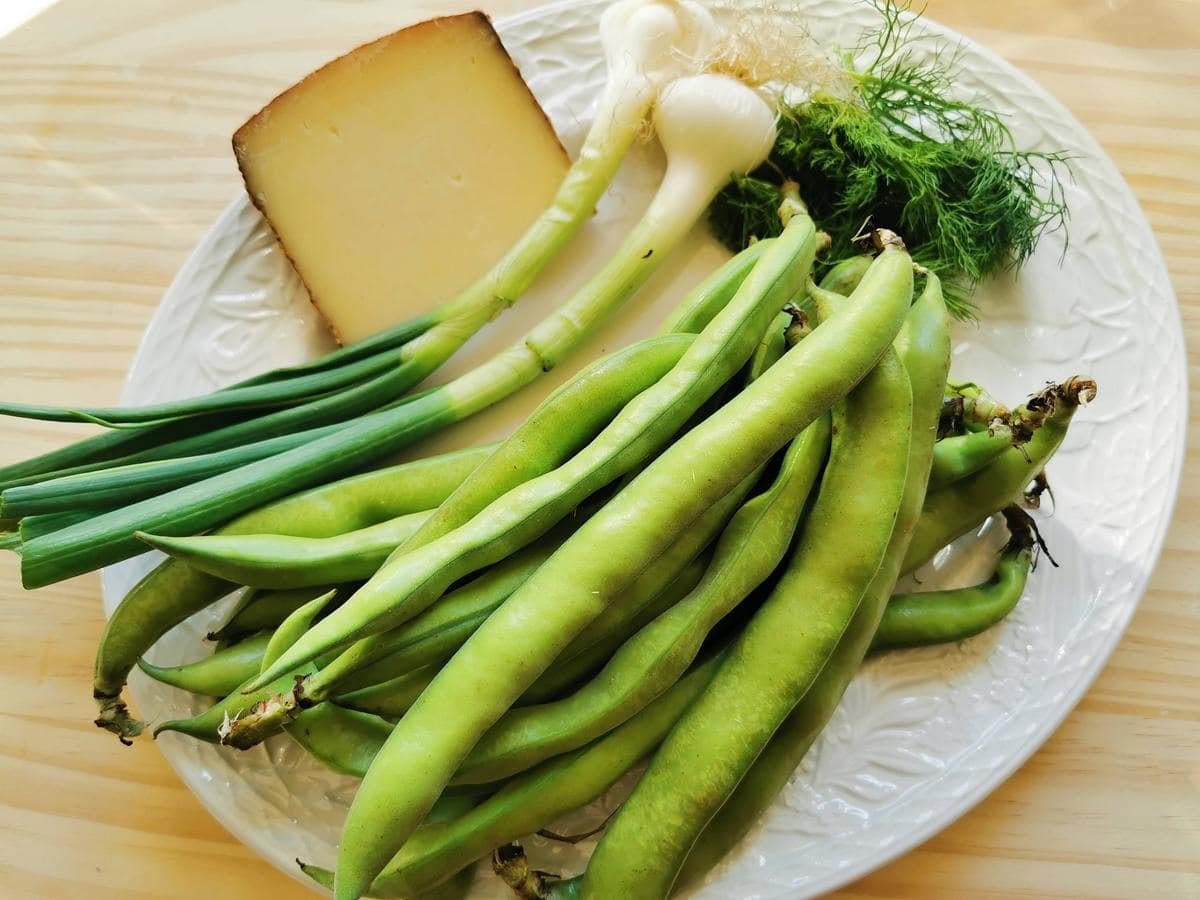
512	867
114	716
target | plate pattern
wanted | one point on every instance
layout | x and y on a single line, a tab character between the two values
921	736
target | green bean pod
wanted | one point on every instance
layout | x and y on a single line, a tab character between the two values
586	655
781	652
658	586
395	696
387	681
924	347
343	740
712	295
820	299
391	698
294	625
264	610
384	659
938	617
591	649
656	589
173	591
484	678
450	808
443	627
413	581
957	456
748	551
844	276
534	798
457	888
283	562
956	509
218	674
772	346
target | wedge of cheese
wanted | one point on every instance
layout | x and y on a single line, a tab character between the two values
397	174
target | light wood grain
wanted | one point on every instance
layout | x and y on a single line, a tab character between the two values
114	128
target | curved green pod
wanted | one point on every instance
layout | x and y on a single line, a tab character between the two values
283	562
957	456
213	724
441	629
391	698
938	617
701	305
218	674
430	638
342	740
585	656
263	610
562	424
844	276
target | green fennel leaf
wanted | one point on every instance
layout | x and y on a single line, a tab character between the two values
898	149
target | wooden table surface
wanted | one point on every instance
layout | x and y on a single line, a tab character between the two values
114	160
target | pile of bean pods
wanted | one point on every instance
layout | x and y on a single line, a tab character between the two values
681	558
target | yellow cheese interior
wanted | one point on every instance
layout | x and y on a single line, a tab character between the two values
400	172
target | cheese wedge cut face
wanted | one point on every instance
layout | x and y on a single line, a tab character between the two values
399	173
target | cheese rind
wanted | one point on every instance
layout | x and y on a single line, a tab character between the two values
399	173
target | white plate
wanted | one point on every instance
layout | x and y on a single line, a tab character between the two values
921	736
